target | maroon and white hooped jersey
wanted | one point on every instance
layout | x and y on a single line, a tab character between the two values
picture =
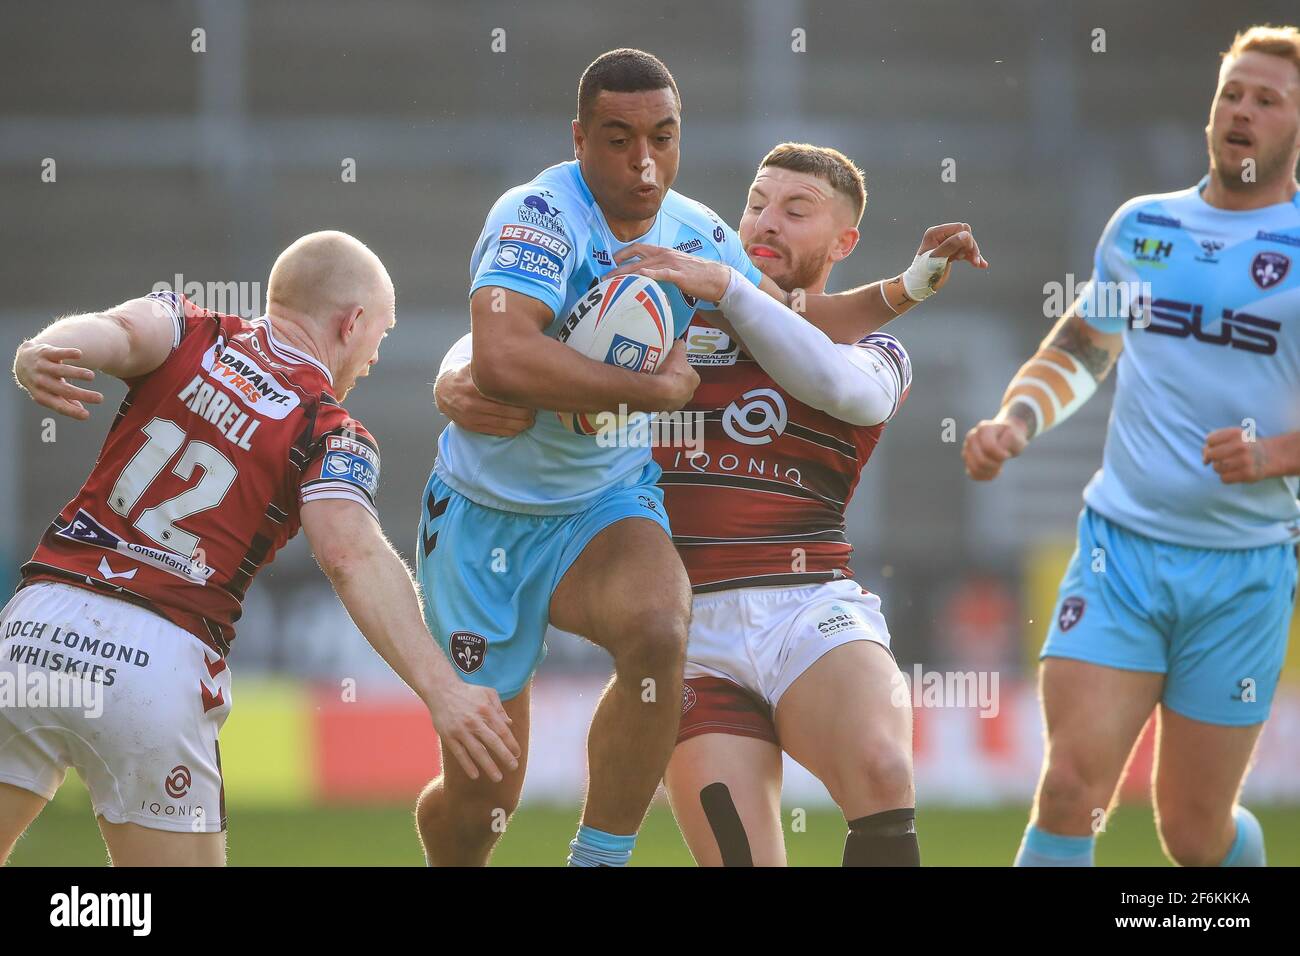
761	502
200	480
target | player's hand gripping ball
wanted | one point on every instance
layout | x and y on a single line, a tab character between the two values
624	321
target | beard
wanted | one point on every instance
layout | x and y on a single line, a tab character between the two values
1270	166
801	272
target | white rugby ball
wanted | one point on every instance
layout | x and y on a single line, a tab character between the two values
624	321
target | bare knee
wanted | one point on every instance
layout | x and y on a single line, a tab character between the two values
429	809
878	774
1070	793
654	644
1192	836
472	820
465	807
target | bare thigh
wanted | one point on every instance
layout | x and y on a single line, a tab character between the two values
132	845
18	808
1198	774
1093	716
628	577
842	721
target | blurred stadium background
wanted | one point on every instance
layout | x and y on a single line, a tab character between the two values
173	167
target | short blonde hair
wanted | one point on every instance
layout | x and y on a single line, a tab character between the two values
1275	41
826	163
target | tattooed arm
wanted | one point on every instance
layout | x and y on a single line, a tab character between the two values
1051	386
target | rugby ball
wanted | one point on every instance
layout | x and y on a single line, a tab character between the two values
624	321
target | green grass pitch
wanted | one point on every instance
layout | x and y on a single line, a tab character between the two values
539	836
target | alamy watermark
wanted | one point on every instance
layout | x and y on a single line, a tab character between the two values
228	298
922	688
40	689
1129	300
627	429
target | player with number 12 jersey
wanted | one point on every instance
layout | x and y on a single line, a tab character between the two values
231	437
255	421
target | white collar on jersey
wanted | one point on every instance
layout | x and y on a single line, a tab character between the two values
1205	181
288	352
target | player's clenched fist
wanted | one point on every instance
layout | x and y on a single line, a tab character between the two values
989	444
678	379
949	243
475	729
43	371
1235	459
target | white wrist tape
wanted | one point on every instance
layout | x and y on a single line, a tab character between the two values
922	274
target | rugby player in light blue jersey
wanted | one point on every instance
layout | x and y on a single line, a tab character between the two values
1179	596
518	530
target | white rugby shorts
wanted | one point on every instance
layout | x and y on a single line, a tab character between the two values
764	638
129	699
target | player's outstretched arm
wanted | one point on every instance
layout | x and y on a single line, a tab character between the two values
845	317
848	316
1050	387
459	399
859	385
127	341
516	363
375	586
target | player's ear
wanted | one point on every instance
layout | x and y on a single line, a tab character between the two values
350	321
579	139
845	243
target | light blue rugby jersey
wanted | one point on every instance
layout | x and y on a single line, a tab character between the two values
1222	348
549	240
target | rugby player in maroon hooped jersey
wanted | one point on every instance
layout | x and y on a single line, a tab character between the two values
230	438
786	651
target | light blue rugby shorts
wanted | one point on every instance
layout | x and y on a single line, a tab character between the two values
1213	621
488	575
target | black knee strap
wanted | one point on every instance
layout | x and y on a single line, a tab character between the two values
887	823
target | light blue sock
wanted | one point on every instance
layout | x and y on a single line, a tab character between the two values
592	847
1248	847
1040	848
